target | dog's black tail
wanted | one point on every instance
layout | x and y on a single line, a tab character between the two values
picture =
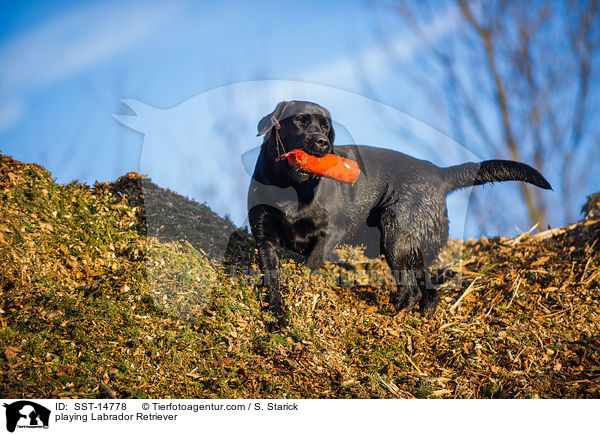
473	174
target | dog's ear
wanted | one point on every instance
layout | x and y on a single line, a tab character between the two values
265	124
331	134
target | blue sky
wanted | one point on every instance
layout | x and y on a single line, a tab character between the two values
199	76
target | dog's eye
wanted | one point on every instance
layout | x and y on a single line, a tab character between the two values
325	127
302	120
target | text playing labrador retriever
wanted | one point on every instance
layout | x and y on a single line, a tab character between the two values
403	197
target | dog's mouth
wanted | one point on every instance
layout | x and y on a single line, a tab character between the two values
317	145
304	174
313	150
317	153
299	172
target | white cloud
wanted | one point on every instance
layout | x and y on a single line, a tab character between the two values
73	42
77	40
376	59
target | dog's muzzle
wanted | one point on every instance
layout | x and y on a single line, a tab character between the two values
318	146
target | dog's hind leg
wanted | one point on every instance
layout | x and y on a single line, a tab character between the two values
430	297
403	255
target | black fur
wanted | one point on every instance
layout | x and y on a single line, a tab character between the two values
403	197
474	174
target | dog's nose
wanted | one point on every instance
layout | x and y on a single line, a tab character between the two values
322	144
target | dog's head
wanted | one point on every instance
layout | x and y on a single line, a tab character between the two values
304	125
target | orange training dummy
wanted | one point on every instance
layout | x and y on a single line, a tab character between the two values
330	166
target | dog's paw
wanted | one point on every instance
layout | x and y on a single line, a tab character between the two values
429	302
281	323
275	306
406	300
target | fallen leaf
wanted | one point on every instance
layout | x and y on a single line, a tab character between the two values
11	352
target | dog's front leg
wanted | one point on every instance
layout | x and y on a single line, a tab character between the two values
268	261
315	259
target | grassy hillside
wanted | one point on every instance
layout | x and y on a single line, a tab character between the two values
118	290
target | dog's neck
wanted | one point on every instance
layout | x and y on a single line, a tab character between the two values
277	174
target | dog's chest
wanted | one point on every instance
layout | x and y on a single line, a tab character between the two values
303	225
304	218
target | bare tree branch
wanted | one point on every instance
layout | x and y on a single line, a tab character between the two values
520	80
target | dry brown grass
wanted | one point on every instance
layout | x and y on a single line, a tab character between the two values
94	304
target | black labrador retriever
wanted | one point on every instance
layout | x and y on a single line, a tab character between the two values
404	198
